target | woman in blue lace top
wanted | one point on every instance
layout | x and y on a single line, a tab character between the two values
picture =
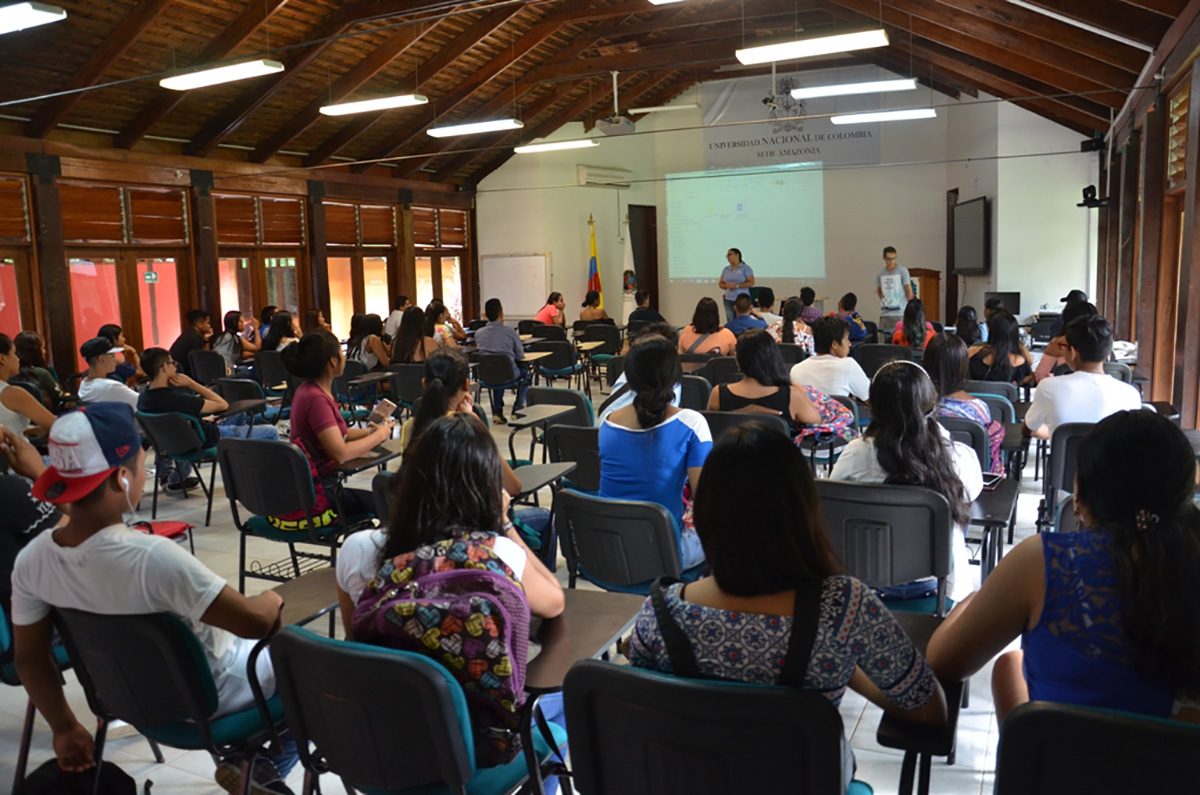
738	622
1108	616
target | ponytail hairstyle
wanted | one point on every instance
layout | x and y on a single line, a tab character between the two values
908	440
309	357
433	315
279	330
29	347
409	335
967	326
758	357
591	299
446	370
1003	340
1153	525
653	369
791	313
914	323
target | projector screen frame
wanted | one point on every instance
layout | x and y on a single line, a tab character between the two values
986	234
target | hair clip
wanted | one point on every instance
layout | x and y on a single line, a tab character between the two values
1145	519
897	361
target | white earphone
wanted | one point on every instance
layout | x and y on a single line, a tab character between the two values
125	483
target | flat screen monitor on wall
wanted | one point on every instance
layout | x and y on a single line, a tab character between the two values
972	238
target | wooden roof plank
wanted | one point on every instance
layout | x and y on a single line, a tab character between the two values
1115	16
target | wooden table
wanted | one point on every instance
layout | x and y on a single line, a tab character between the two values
533	357
308	597
530	416
993	511
591	622
378	457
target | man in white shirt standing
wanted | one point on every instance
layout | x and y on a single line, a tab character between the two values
832	371
97	387
1088	394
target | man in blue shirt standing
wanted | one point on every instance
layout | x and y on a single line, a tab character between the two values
744	319
496	337
736	279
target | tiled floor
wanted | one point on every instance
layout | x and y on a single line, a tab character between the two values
185	772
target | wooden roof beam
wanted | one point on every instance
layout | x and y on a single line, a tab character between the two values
1115	16
716	53
132	25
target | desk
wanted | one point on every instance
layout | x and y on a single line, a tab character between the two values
591	622
1022	408
588	347
525	337
691	368
529	416
243	407
535	477
371	378
377	457
1194	438
1166	409
993	511
308	597
533	357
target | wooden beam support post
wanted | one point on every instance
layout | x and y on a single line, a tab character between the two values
204	244
50	256
1153	185
1131	161
1187	337
318	250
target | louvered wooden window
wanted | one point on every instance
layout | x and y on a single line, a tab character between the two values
14	211
424	227
1177	132
237	220
157	216
378	224
92	214
452	228
282	221
341	224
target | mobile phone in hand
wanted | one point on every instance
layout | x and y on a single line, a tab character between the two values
382	412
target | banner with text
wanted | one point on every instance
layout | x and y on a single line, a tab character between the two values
786	139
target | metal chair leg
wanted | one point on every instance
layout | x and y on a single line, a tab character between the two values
154	749
907	773
242	563
208	492
154	504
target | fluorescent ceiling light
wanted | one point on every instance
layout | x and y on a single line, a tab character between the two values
382	103
873	87
529	149
1108	34
884	115
475	127
666	108
28	15
221	74
807	48
664	2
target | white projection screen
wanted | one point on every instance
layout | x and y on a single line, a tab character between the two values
775	215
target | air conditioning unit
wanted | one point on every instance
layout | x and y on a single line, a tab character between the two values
603	176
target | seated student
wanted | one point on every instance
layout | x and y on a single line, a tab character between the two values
1002	357
810	313
744	319
765	386
738	623
993	307
913	327
705	334
232	343
905	445
643	311
314	320
1088	394
966	326
366	346
411	345
24	516
790	329
317	424
650	449
832	371
1073	297
622	395
946	362
393	320
96	563
441	325
1053	362
31	353
281	333
496	337
1104	614
591	307
96	387
131	367
194	338
848	311
766	307
552	313
265	317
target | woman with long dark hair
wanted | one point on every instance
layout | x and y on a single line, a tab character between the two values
366	344
281	333
1106	613
739	622
791	328
591	307
441	327
411	345
650	449
18	407
913	331
966	326
765	386
31	351
231	343
706	334
946	362
905	445
1002	357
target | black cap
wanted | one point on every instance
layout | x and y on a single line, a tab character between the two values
1074	295
97	346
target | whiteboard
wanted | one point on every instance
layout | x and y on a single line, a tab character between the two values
520	281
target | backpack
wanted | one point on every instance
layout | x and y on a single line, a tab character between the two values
50	779
458	603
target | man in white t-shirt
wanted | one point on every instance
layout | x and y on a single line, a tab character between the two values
1088	394
97	387
832	371
893	285
392	324
98	564
766	307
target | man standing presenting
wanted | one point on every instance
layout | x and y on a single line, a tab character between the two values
893	285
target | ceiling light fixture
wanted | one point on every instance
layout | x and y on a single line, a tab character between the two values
664	2
846	89
807	48
221	74
472	128
885	115
529	149
1108	34
20	16
666	108
382	103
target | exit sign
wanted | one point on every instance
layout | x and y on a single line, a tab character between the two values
150	276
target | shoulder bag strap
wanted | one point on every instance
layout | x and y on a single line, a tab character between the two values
699	341
612	398
679	651
805	616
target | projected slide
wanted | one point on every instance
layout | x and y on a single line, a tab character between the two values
775	215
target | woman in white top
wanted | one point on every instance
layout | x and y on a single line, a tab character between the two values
365	344
791	329
441	326
18	407
905	444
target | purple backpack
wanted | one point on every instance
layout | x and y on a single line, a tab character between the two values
458	603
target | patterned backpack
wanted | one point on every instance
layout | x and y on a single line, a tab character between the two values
458	603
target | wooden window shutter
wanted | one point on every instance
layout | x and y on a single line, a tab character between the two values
282	221
424	227
452	228
1177	132
378	225
341	225
92	214
237	220
157	216
14	211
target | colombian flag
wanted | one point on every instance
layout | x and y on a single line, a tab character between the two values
594	269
